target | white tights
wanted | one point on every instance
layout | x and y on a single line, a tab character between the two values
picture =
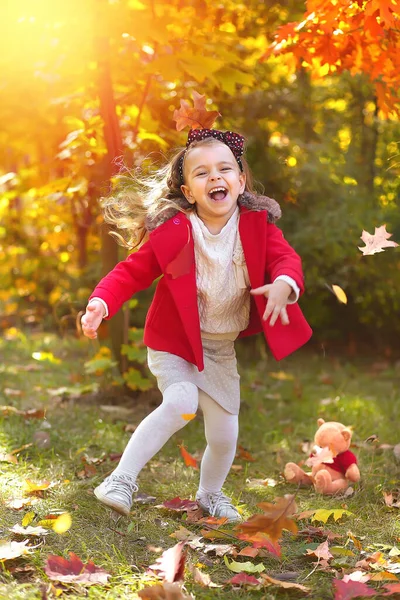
221	431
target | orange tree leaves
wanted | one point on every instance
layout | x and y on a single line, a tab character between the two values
274	518
360	37
196	117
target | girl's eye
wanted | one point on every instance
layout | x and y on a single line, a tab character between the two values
201	173
226	169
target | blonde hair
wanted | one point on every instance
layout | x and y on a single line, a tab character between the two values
137	202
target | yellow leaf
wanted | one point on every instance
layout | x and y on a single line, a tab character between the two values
339	293
323	514
46	356
188	416
30	487
28	518
281	376
62	523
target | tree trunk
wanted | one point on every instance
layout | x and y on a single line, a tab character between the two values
112	134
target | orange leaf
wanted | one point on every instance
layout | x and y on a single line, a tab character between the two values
273	520
197	117
190	461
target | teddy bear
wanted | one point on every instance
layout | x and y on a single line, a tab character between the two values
332	441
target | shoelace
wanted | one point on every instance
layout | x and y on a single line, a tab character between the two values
219	500
127	488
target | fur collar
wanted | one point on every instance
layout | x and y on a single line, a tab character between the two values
249	201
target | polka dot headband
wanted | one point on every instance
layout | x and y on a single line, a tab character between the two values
233	140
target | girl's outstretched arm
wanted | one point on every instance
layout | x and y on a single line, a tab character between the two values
128	277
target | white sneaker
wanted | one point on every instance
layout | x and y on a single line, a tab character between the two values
218	505
116	492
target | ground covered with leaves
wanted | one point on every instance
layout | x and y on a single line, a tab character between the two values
63	430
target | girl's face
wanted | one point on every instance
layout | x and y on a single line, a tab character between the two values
213	183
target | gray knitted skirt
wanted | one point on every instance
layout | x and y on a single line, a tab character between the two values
220	378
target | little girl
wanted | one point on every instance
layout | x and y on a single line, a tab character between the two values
212	242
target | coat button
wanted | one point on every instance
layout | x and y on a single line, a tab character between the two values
176	220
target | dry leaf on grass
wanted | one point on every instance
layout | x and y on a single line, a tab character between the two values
321	552
274	519
171	564
346	590
165	591
243	579
11	550
202	578
178	504
61	569
284	584
26	531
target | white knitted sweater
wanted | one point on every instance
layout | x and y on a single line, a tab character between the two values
222	278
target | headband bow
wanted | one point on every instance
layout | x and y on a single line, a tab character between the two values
234	141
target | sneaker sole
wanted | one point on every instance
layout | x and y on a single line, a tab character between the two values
119	508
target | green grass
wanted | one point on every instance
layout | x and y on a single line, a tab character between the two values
277	417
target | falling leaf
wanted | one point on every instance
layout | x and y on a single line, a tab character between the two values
323	514
248	566
171	564
376	242
196	117
61	569
188	416
243	579
178	504
11	550
190	461
49	356
321	552
346	590
19	530
284	584
274	519
321	456
62	523
339	293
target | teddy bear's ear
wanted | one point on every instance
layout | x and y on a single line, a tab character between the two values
346	433
320	422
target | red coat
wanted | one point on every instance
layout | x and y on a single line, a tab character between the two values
172	322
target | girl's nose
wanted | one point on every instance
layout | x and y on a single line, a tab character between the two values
215	176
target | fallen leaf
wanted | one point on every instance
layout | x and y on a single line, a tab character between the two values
274	519
261	540
249	551
321	552
346	590
383	576
191	539
190	461
36	531
219	549
245	454
178	504
243	579
376	242
196	117
10	458
392	588
360	576
202	578
323	514
171	564
248	566
254	483
11	550
165	591
284	584
19	503
61	569
312	532
30	487
339	293
281	376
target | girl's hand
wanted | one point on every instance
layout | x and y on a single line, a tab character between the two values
277	294
92	318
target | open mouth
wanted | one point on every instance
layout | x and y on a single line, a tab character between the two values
218	193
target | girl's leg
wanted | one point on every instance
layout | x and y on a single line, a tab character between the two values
221	429
150	436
